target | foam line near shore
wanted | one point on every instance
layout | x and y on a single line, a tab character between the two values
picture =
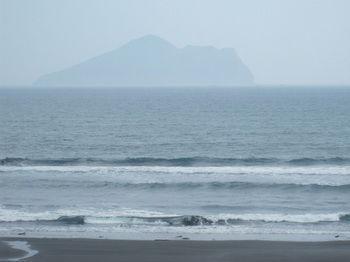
20	245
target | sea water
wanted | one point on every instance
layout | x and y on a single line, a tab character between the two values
204	163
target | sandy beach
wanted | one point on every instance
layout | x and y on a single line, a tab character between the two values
126	250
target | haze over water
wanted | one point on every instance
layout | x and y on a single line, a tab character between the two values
142	162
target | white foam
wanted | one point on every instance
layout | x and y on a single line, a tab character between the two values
307	170
104	215
320	175
273	217
238	232
277	217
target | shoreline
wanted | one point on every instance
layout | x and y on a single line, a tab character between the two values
77	249
174	236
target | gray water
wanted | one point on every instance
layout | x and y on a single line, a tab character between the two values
207	162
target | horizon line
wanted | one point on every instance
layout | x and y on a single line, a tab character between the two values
180	86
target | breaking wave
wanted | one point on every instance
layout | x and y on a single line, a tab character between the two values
192	220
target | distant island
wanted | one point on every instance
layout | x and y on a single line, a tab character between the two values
153	61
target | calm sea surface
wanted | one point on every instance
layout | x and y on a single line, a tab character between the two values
223	163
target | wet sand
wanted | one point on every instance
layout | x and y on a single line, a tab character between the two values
178	251
7	252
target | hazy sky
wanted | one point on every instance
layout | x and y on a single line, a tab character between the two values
282	41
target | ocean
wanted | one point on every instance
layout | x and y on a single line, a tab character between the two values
199	163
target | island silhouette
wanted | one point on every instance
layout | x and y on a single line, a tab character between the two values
153	61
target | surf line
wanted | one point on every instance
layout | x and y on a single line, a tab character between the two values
21	245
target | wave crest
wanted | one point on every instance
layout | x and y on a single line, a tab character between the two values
182	161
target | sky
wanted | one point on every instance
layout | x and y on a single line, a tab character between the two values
283	42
